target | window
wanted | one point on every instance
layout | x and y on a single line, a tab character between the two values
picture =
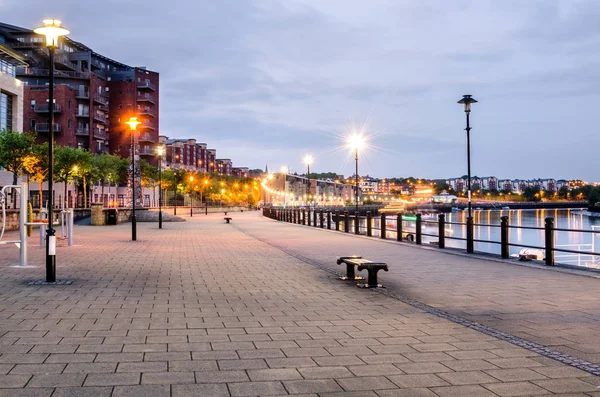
6	112
69	104
32	123
32	103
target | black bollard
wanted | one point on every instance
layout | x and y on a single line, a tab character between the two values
504	247
346	222
369	226
442	231
418	228
549	232
399	227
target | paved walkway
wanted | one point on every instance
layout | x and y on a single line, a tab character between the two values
203	308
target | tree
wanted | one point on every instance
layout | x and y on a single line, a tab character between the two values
149	176
66	164
14	148
85	171
531	193
107	168
36	165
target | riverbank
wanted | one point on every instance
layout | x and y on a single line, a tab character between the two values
497	205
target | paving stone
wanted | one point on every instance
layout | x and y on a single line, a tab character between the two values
90	368
14	380
365	383
416	381
258	375
22	369
166	378
143	390
221	376
225	365
515	374
56	380
243	389
461	391
212	390
154	366
412	392
325	372
26	392
515	389
312	386
565	385
191	366
112	379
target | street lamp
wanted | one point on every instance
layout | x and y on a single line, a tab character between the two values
467	100
308	161
133	123
75	169
191	195
52	29
160	151
356	142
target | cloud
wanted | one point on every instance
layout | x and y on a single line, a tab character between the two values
269	80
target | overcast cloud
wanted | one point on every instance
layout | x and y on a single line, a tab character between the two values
268	81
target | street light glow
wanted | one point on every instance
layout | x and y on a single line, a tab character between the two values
356	141
308	159
52	30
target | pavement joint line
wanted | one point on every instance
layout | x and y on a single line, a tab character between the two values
513	339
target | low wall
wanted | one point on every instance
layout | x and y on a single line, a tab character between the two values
12	219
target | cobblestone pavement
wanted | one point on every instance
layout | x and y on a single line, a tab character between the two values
202	308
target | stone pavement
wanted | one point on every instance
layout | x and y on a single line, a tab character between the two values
202	308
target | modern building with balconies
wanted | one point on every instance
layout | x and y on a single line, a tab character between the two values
94	95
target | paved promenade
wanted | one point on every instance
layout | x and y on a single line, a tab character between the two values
203	308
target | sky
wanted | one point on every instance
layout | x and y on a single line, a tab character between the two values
266	82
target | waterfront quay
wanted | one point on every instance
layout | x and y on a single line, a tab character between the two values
255	308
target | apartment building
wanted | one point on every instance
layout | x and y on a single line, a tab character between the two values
11	96
94	95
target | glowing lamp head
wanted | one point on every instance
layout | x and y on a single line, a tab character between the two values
133	123
75	168
308	160
52	29
191	178
284	170
160	150
467	100
356	142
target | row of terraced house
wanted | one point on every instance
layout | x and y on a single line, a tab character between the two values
492	183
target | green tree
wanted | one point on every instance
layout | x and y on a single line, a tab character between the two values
149	176
14	148
108	168
66	163
531	193
85	171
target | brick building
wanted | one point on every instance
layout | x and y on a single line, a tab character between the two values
94	95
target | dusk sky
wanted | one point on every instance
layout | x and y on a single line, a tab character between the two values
269	81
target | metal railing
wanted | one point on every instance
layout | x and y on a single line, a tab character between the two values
82	131
45	127
413	228
45	108
146	84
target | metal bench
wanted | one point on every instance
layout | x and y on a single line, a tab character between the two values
362	264
227	219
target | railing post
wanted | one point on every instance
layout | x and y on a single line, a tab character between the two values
418	227
337	220
504	248
308	217
399	227
470	243
346	222
304	216
315	217
383	226
321	219
442	231
356	223
328	220
369	228
549	229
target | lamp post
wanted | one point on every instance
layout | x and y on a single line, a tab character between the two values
52	29
133	123
75	169
191	195
160	151
308	161
356	142
467	100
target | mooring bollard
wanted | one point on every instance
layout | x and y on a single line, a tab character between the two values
442	231
549	231
322	219
383	226
328	220
315	217
346	222
399	227
304	217
504	247
369	226
470	242
337	220
418	230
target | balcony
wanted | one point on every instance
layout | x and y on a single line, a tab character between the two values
147	138
147	151
146	85
45	127
101	118
83	113
82	131
44	108
101	99
147	124
82	94
147	112
100	134
146	98
27	71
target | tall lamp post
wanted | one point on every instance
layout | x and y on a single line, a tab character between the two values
133	123
467	100
356	142
308	161
160	151
52	29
